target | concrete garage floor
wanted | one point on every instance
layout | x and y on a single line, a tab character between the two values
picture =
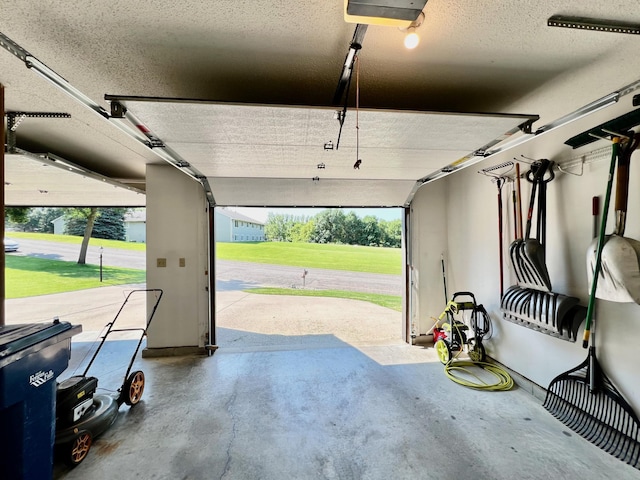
332	404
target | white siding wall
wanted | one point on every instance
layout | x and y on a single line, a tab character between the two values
222	225
135	231
247	231
59	225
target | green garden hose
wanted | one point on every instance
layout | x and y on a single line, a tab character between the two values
504	380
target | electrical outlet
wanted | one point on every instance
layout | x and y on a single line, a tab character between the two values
161	262
182	262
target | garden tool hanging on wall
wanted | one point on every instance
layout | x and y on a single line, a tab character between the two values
528	254
620	270
531	303
584	398
497	174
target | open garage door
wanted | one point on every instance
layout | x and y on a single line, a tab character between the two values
298	156
330	276
49	181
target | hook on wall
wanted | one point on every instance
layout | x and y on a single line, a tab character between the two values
573	173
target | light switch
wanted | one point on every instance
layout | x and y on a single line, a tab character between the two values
182	262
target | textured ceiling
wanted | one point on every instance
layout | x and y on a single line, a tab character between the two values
473	57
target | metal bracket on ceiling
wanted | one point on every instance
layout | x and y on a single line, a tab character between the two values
14	119
13	48
526	127
593	24
118	110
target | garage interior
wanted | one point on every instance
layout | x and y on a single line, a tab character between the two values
183	106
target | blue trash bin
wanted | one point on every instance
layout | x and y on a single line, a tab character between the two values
32	356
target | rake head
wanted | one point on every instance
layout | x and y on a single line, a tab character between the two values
595	410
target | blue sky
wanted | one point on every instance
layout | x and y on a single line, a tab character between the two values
261	214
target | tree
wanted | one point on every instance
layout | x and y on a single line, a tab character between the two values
40	219
334	226
330	227
279	227
275	230
110	224
302	232
17	215
76	220
89	215
392	233
371	231
353	229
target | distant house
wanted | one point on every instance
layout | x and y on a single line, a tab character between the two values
229	227
135	226
59	225
234	227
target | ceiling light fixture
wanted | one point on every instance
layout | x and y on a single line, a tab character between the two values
412	39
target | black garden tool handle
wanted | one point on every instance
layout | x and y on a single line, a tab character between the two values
541	232
536	177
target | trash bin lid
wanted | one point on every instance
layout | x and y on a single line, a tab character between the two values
14	338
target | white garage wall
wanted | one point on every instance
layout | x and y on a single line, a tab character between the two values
428	243
177	228
472	253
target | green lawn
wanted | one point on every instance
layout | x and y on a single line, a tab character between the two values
313	255
99	242
29	277
388	301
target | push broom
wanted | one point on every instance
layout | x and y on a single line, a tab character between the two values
583	398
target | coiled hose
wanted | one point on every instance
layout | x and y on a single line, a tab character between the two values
504	380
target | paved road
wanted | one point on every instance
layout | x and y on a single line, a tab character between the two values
233	275
230	275
68	252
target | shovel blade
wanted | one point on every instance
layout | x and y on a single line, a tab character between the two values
619	279
527	258
534	253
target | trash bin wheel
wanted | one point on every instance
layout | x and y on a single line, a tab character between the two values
133	388
78	448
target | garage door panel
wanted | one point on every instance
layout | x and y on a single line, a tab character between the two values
288	192
45	181
268	144
297	161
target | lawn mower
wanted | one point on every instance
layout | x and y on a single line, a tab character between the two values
452	336
81	415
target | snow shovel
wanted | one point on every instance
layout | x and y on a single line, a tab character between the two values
620	271
527	254
583	398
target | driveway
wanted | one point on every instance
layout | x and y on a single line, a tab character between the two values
244	321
